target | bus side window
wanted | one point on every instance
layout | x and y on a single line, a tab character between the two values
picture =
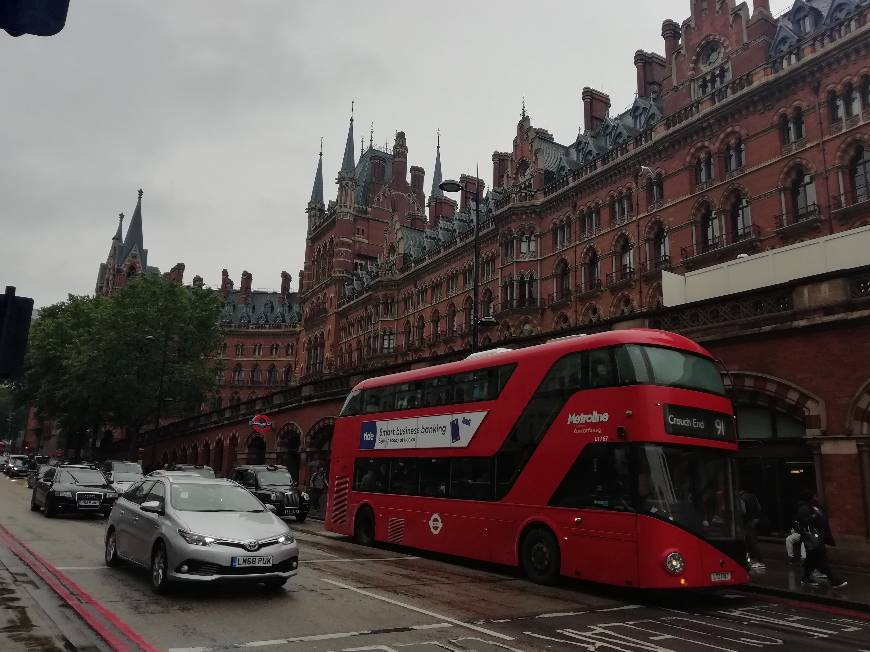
471	478
352	404
631	364
599	479
408	396
404	477
601	369
434	476
371	475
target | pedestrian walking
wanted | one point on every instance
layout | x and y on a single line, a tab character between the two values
750	508
795	550
816	536
319	484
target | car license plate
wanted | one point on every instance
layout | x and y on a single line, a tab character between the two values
89	503
720	577
245	562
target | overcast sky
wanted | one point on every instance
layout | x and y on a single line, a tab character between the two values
216	107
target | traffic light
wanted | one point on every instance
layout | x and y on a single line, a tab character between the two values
37	17
15	315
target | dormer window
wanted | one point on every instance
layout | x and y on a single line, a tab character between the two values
711	54
806	23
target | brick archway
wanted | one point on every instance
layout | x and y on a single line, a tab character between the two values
778	392
858	419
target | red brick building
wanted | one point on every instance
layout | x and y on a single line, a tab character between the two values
749	134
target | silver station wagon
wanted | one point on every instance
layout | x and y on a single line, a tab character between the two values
194	529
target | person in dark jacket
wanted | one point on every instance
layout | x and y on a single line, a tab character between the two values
812	523
750	508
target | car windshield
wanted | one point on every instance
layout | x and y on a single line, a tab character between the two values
659	366
126	468
194	497
201	471
86	476
18	463
130	476
275	478
691	487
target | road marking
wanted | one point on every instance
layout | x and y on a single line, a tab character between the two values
622	608
346	559
420	610
561	614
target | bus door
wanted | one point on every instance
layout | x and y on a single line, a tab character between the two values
597	520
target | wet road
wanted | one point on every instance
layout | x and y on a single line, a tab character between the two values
346	597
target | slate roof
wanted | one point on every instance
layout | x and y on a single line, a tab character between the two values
825	12
262	307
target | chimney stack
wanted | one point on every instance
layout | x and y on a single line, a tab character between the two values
418	176
469	185
500	167
400	159
596	106
671	33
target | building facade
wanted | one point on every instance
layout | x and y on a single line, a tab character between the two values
749	134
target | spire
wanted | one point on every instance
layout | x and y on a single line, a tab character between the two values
523	113
436	176
371	134
348	164
120	224
133	239
317	189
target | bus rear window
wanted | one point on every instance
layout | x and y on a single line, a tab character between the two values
669	367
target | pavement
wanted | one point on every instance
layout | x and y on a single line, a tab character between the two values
350	598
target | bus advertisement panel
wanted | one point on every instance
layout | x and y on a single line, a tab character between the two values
605	458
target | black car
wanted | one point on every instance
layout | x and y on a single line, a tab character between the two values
72	488
18	466
274	485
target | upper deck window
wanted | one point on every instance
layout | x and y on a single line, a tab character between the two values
670	367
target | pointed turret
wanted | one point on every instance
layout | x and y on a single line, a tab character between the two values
348	164
317	189
436	176
133	239
120	224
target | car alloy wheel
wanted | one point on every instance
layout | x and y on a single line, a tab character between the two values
112	549
158	568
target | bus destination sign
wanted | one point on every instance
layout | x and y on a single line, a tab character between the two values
692	422
436	431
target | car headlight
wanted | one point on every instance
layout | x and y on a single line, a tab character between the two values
111	494
63	494
285	539
304	495
674	563
196	539
273	496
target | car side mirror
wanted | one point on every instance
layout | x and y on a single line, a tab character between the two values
109	476
152	507
271	508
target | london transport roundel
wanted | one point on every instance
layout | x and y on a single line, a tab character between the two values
261	423
435	523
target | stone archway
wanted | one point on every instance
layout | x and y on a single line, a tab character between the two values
289	447
790	398
858	416
255	449
317	445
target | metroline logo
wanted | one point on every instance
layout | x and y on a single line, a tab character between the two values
594	417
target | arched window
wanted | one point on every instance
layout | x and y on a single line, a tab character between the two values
711	233
563	281
851	101
436	324
835	108
255	375
507	292
451	319
486	304
421	330
655	189
802	193
739	218
704	168
865	92
388	341
288	374
592	221
623	259
792	127
220	377
735	155
592	280
466	313
859	175
272	376
531	290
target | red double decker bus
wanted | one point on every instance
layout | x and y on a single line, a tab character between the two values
604	457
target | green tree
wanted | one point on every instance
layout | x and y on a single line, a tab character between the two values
123	361
11	415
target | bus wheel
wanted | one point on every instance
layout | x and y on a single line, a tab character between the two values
539	556
364	526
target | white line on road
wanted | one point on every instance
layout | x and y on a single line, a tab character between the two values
561	614
623	608
345	559
420	610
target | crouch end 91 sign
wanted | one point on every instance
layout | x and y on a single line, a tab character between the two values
437	431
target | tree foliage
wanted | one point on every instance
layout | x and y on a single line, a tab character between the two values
122	361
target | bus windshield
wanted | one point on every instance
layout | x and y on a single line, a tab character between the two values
669	367
691	487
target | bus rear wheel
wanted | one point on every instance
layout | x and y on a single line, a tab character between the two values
539	556
364	526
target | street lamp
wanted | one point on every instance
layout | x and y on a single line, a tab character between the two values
450	185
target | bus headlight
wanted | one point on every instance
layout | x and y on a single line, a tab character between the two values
674	563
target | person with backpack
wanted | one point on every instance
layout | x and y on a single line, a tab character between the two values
816	535
750	508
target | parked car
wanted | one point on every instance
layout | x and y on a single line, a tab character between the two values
36	473
121	475
72	488
274	485
198	469
18	466
194	529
